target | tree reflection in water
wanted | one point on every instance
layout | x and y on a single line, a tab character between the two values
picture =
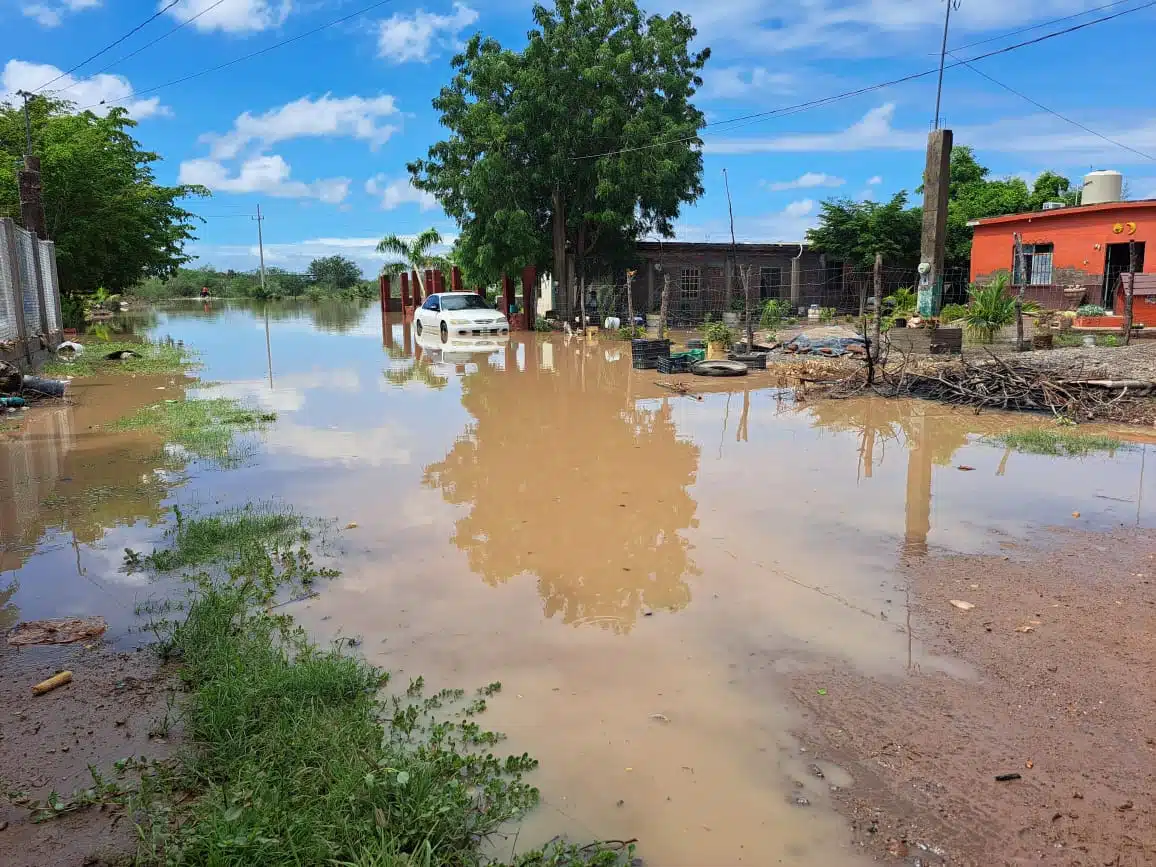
565	482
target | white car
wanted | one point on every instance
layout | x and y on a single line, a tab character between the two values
459	314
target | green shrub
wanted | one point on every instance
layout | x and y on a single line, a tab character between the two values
1109	340
631	332
774	311
902	302
952	313
717	332
1091	310
542	324
991	308
827	315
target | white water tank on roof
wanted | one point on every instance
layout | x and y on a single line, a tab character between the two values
1101	187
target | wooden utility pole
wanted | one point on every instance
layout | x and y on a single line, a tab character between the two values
1021	275
630	301
1131	292
261	246
664	306
878	305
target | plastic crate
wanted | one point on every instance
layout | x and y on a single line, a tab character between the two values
675	364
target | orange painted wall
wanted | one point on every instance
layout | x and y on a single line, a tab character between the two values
1075	233
1143	309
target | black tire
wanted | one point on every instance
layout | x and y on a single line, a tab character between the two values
417	328
719	368
445	332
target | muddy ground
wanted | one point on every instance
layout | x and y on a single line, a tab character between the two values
115	707
1063	646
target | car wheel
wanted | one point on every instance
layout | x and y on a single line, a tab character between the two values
418	327
445	332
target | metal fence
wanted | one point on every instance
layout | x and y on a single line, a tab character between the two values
30	319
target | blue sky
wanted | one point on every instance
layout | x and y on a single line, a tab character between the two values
319	131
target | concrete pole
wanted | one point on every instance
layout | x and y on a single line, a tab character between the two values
261	245
936	185
796	283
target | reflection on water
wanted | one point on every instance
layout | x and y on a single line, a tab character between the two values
567	482
522	504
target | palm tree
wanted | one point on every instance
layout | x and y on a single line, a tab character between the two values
413	255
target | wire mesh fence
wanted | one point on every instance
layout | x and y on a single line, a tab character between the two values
30	315
696	294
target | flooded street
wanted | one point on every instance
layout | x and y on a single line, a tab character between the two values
639	569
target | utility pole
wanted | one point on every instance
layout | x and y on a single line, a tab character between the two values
28	180
261	245
942	59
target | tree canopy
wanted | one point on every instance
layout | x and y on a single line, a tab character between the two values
853	232
336	271
113	225
553	148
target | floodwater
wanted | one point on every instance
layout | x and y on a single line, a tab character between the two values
636	567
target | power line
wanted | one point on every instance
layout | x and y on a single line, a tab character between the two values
147	45
816	103
248	56
1041	25
113	44
1064	118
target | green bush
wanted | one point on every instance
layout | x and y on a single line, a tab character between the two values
826	315
902	302
952	313
1091	310
631	332
991	308
714	331
774	311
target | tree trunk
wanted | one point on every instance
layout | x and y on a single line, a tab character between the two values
875	348
664	305
630	301
561	270
1131	292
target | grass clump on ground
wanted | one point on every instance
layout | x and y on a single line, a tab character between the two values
225	536
203	427
1060	443
294	757
155	358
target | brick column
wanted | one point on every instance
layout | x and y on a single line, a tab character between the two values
430	289
415	284
507	294
406	303
455	279
383	284
439	281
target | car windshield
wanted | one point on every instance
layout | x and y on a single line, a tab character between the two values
464	302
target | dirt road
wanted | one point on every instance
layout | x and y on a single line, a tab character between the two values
1063	647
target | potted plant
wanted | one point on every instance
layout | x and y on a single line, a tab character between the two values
719	337
990	309
1095	316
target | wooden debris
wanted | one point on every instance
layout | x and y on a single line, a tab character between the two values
63	631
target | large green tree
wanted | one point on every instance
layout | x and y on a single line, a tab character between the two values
112	223
853	231
336	271
582	141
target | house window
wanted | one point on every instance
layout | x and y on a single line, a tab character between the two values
770	282
1037	266
689	284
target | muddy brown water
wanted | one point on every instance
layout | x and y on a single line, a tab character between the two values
634	566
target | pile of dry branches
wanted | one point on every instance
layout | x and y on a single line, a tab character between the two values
1010	385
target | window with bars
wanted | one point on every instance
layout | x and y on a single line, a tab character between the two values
770	282
689	283
1037	266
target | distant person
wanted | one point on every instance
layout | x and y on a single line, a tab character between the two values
205	292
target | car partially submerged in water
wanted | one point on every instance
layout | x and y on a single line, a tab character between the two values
459	314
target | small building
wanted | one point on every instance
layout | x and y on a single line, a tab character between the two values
706	280
1072	255
1143	299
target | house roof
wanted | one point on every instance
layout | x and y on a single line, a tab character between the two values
675	248
1145	284
1121	207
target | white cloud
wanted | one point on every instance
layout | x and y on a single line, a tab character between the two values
352	117
798	209
267	174
51	14
402	38
735	82
85	92
786	226
806	181
231	16
875	181
399	191
873	131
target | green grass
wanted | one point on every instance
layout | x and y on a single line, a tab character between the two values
156	358
225	536
206	428
1061	443
295	756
